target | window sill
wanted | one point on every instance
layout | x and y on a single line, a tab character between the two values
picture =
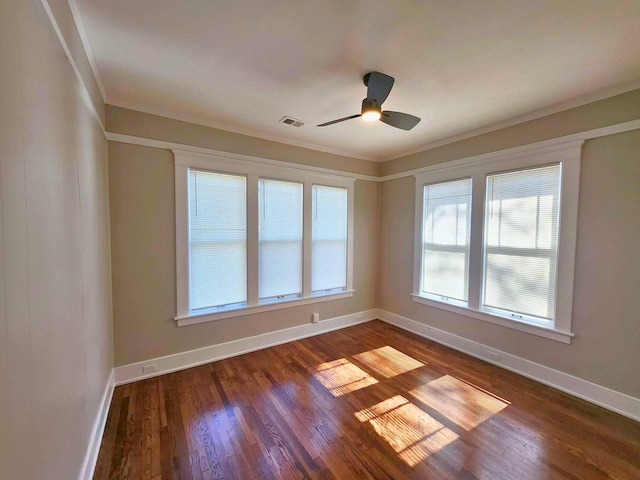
193	318
546	332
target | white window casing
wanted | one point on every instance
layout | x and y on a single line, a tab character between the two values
566	157
271	181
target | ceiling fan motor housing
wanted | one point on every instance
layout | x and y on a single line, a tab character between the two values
368	106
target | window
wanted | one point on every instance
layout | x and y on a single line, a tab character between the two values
521	243
328	240
445	237
495	239
280	208
252	237
217	240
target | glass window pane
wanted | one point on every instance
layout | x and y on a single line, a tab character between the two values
217	239
328	239
521	239
280	242
446	230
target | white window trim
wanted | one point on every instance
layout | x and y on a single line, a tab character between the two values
252	169
568	154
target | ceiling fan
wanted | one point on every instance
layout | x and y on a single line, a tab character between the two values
378	88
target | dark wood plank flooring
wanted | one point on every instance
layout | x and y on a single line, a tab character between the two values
371	402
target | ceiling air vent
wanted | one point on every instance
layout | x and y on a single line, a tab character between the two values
291	121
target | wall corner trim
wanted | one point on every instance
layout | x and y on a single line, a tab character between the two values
91	457
192	358
86	96
602	396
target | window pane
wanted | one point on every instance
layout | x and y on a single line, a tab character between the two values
445	236
524	294
217	239
280	244
329	239
521	237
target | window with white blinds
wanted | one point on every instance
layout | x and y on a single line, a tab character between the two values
521	242
495	238
329	239
445	237
280	239
254	236
217	240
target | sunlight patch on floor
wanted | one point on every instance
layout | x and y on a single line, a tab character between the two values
462	403
388	361
341	376
413	434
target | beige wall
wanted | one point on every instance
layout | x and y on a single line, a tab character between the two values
132	122
606	318
606	286
141	189
56	350
610	111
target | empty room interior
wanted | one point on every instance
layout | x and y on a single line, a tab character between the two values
267	239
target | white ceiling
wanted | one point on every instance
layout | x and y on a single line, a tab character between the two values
461	65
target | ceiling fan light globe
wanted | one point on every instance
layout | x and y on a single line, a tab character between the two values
371	116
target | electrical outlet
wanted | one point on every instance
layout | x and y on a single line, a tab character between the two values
149	368
495	356
315	318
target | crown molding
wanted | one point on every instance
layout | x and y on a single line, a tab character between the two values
527	117
150	142
246	131
522	149
77	18
544	144
559	107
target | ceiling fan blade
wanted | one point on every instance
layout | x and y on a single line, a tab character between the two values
338	121
399	119
378	87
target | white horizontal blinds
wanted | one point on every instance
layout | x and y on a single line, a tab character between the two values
280	239
328	239
217	239
445	237
521	242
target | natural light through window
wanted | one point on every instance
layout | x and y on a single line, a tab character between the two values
387	361
329	239
495	238
447	221
341	377
521	238
253	237
465	405
217	239
280	239
412	433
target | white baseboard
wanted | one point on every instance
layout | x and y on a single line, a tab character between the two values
179	361
610	399
91	457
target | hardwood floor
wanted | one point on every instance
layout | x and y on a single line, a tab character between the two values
370	401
